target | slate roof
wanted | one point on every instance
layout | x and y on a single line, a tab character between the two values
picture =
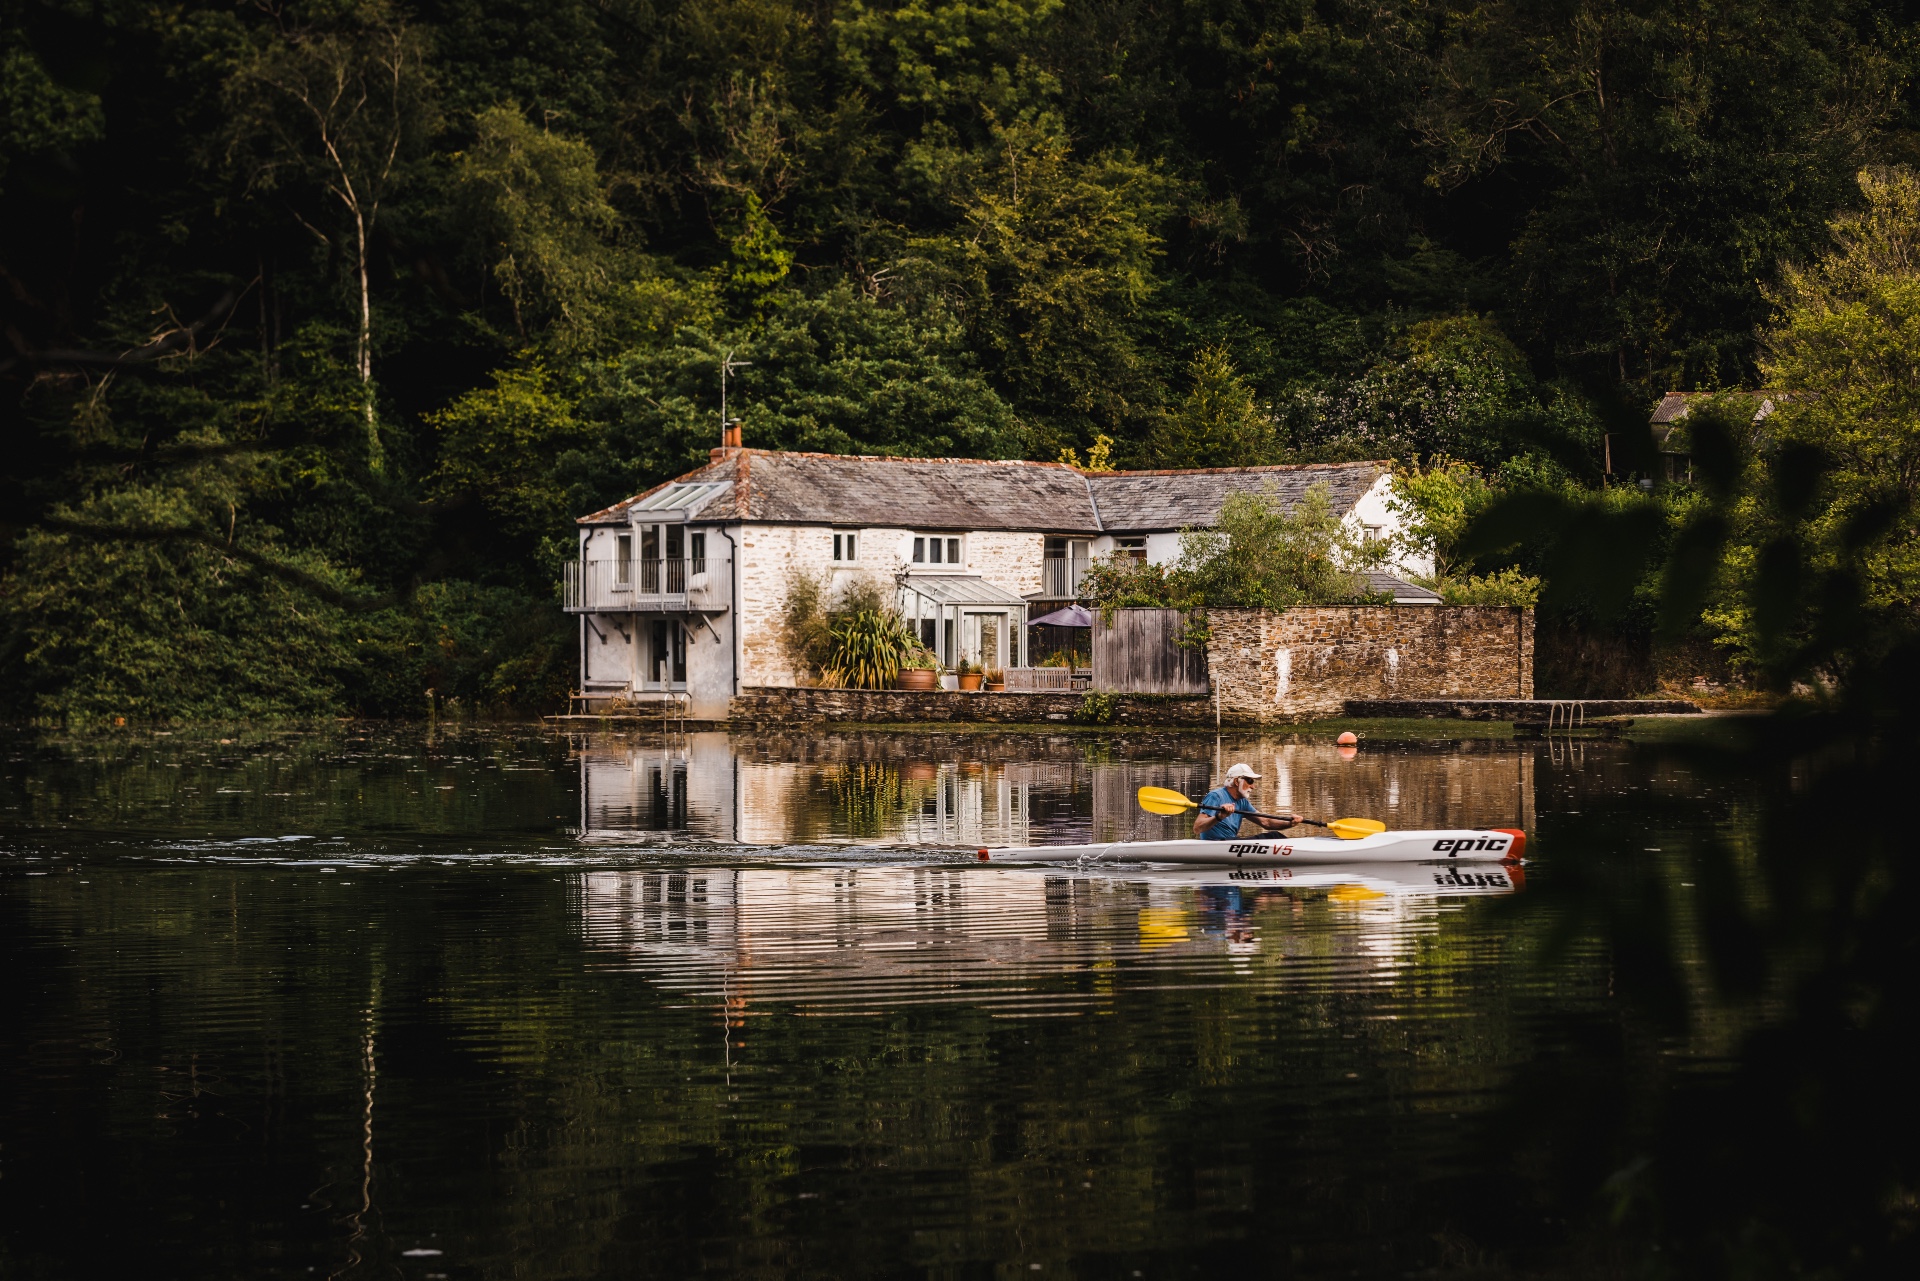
967	493
1675	405
1139	501
1403	592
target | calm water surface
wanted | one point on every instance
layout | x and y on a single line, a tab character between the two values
500	1003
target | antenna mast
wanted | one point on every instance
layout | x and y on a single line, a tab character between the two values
727	365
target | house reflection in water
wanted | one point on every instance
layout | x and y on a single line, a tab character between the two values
960	791
1014	940
710	787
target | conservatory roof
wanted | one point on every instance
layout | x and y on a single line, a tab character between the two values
960	589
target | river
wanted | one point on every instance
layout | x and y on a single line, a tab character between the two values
434	1002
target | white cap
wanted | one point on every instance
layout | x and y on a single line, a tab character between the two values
1242	770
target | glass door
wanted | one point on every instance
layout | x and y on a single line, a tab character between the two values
667	654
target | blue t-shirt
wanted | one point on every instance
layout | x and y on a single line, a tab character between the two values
1228	825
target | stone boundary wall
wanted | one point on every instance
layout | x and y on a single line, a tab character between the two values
1308	663
771	705
1527	711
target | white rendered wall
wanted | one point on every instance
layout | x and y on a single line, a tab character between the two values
610	655
709	662
1163	549
1376	508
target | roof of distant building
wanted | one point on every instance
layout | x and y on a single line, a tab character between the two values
1402	592
1675	405
969	493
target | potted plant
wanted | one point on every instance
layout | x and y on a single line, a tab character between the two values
919	670
969	673
996	680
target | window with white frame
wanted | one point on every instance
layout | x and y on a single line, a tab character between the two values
846	546
935	549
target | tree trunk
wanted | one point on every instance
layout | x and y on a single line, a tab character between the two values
376	455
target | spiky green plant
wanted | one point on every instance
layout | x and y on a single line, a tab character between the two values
866	649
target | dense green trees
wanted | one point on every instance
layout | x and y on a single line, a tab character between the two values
365	299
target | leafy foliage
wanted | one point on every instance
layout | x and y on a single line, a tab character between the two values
852	637
391	292
1258	556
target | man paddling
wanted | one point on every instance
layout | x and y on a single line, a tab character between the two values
1224	809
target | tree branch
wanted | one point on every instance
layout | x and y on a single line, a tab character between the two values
359	603
167	344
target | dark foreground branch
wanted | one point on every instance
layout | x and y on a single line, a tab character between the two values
356	602
183	338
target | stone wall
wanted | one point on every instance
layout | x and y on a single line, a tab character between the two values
1304	663
770	555
780	706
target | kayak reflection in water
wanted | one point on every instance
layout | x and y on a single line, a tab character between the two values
1224	810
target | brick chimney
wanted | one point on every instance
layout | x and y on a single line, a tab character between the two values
729	441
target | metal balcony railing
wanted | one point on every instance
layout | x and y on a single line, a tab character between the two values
621	586
1060	577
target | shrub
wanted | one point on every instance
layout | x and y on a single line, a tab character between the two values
1508	587
1097	708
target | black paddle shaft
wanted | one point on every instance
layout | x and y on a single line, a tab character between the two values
1278	818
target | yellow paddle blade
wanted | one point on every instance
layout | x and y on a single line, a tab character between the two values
1352	829
1163	800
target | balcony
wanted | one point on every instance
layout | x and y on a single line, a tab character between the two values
647	586
1060	578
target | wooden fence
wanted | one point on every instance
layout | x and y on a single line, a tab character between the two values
1139	654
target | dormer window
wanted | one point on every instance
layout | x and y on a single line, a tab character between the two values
931	549
846	548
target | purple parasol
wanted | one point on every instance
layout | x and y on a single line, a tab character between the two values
1071	616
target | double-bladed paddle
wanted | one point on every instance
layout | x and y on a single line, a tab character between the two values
1162	800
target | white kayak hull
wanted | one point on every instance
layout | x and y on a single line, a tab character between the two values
1379	879
1479	845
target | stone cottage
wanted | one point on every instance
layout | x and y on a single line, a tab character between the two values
679	589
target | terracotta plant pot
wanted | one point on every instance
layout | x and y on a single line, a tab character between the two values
917	678
996	687
971	680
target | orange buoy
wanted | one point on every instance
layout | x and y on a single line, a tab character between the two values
1348	739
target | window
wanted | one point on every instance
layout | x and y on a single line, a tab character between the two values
697	545
930	550
1134	547
623	560
650	558
845	548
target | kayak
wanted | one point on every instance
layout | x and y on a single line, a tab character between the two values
1477	845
